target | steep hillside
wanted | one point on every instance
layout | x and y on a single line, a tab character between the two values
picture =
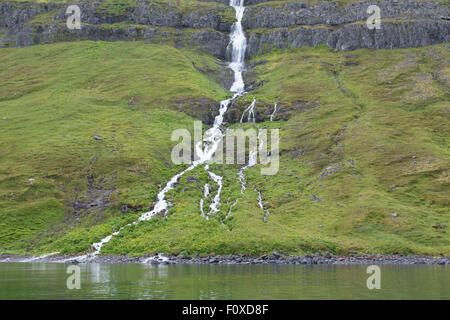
56	99
85	128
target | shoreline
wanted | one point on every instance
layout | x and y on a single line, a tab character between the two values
240	259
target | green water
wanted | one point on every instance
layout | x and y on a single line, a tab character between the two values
138	281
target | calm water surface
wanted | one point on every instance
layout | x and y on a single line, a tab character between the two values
139	281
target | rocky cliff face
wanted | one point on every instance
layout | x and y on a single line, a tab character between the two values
392	35
269	15
296	24
218	17
206	24
203	26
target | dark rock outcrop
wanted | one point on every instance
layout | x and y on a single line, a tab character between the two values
16	14
154	14
204	26
295	13
297	24
209	40
268	24
204	109
392	35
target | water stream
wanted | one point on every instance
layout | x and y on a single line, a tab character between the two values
204	149
236	51
274	111
251	112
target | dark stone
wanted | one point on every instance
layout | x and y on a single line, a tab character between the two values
276	255
192	179
294	24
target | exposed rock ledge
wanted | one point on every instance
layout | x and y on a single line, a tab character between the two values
392	35
209	40
296	24
206	26
296	13
96	12
25	24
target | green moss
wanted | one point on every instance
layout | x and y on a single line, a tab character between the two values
379	118
57	98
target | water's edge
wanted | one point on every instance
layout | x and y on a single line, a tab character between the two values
274	258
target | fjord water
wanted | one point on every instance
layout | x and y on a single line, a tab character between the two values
142	281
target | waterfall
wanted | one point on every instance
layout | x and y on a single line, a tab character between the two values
236	51
204	149
261	205
251	112
205	195
274	111
252	160
237	45
214	135
216	201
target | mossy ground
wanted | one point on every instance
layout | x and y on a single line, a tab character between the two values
380	118
55	98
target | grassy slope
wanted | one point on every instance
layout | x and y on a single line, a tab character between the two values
385	110
388	112
55	98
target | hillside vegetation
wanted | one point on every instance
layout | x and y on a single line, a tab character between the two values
85	143
54	99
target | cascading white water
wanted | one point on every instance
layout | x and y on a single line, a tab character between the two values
231	208
216	201
251	112
237	45
214	135
261	205
158	258
252	160
205	195
274	111
253	156
211	142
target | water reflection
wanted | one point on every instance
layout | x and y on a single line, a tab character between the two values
139	281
